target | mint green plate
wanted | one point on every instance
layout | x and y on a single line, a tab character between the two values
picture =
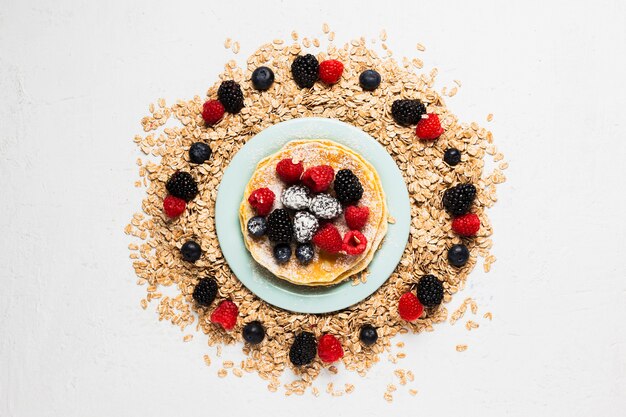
280	293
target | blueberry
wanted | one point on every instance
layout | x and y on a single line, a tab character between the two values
305	253
257	226
282	252
199	152
262	78
452	156
253	333
458	255
369	80
368	335
191	251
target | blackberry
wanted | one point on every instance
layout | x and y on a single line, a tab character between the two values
430	291
199	152
458	255
182	185
231	96
304	226
257	226
262	78
303	349
348	188
458	200
305	70
407	112
205	291
253	332
452	156
368	335
282	253
191	251
325	206
305	253
279	226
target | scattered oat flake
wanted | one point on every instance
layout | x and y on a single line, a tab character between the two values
471	325
413	392
207	360
222	373
187	338
236	47
488	315
383	35
325	28
489	117
461	348
227	43
420	47
457	82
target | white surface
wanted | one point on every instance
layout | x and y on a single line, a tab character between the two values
77	77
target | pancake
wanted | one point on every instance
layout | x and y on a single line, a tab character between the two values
324	269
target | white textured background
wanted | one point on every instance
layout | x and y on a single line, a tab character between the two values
75	79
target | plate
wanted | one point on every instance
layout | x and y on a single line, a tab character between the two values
280	293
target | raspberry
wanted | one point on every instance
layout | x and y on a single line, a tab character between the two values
288	171
212	112
318	178
303	349
466	225
328	238
225	314
230	95
329	348
330	71
356	217
354	243
262	200
429	128
410	307
173	206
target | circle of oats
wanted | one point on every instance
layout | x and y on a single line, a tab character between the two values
264	284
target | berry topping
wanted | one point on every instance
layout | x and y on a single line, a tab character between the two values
212	112
368	334
199	152
282	253
262	78
303	349
288	171
329	348
466	225
325	206
296	197
330	71
458	255
348	188
452	156
173	206
410	307
457	200
305	70
182	185
407	112
253	332
225	314
262	200
205	291
279	227
191	251
369	80
257	226
354	243
231	96
304	226
430	291
318	178
356	217
328	238
305	253
429	128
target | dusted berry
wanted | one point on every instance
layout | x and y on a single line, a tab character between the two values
262	78
458	255
466	225
305	253
304	226
205	291
231	96
457	200
288	171
257	226
182	185
329	349
212	112
369	80
253	332
409	307
191	251
199	152
354	243
173	206
279	227
318	178
430	291
282	253
225	314
305	70
296	197
356	217
429	128
328	238
452	156
325	206
330	71
348	188
262	200
303	349
407	112
368	335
